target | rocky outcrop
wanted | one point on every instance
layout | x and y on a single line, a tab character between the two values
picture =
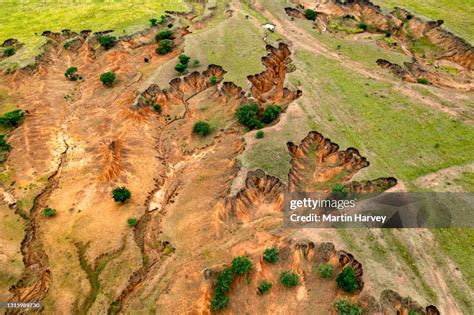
413	71
262	194
181	88
267	87
317	164
294	12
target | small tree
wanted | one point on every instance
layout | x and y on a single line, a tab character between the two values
310	14
289	279
363	26
180	67
264	286
347	280
164	35
121	194
165	46
325	270
423	81
184	59
71	73
196	63
107	78
107	41
213	80
157	107
9	51
260	134
131	222
153	22
241	265
4	146
219	302
271	255
345	307
202	128
247	115
49	212
12	119
270	113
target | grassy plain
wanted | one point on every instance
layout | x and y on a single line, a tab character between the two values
26	20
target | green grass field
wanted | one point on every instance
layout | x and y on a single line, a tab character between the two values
457	14
235	44
26	20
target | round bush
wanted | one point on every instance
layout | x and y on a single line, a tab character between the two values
270	113
121	194
107	41
260	134
345	307
264	286
202	128
180	67
213	80
107	78
247	115
310	14
347	280
289	279
325	270
49	212
71	73
9	51
271	255
241	265
184	59
132	222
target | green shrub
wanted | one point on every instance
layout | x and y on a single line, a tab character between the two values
345	307
310	14
271	255
165	46
241	265
413	312
219	302
164	35
247	115
213	80
363	26
71	73
157	107
107	78
202	128
121	194
132	222
289	279
153	22
338	188
423	81
223	281
49	212
264	286
12	119
184	59
107	41
270	113
347	280
4	146
180	67
196	63
325	270
9	51
260	134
